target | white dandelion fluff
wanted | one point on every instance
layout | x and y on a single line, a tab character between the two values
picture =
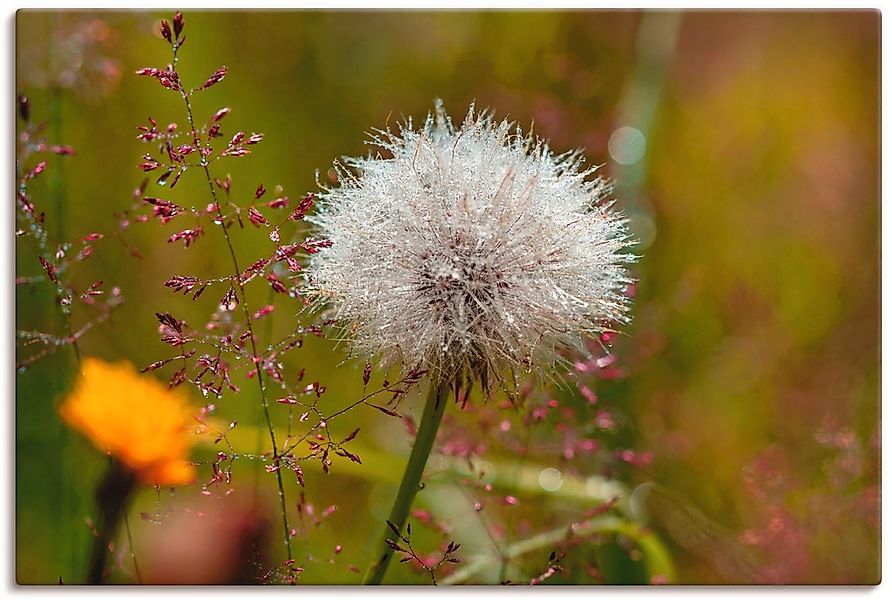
470	249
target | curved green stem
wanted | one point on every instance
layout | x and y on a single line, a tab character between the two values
424	442
655	554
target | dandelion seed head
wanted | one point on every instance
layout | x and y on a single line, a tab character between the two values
469	248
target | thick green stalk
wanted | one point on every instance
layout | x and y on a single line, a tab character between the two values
424	442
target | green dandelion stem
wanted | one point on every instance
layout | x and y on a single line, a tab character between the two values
424	442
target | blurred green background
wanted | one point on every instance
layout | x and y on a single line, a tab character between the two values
750	171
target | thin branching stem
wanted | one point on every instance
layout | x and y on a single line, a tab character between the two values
248	321
258	470
325	420
546	539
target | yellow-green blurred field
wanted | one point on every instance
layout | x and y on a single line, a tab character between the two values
752	363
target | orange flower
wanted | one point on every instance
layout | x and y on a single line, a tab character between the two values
134	418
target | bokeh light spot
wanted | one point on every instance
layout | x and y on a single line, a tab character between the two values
550	479
627	145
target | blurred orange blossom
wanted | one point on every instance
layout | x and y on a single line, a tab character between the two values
133	418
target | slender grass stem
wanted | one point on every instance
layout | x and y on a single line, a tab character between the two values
424	441
258	471
132	549
255	356
57	175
